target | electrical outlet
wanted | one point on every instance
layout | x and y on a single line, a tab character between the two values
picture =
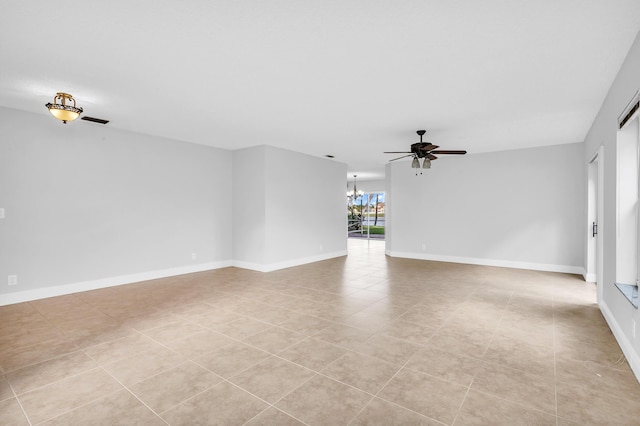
1	213
194	256
12	280
321	247
424	247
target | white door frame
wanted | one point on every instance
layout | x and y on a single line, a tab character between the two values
595	213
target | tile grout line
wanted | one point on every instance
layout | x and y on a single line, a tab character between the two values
374	396
275	408
520	404
226	379
274	404
15	395
97	366
211	387
431	419
462	403
7	372
127	389
320	373
495	331
341	323
352	350
43	360
316	372
79	406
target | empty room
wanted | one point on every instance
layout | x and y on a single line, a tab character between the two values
320	213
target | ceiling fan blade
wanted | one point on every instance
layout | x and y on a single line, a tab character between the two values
430	156
410	155
429	147
460	152
397	152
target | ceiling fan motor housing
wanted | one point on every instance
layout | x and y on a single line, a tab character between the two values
418	149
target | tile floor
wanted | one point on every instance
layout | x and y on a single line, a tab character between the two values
361	340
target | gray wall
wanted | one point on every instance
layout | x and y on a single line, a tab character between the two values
90	206
619	312
510	208
305	207
249	214
288	208
84	202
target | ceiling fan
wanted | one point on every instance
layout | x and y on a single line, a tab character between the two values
424	150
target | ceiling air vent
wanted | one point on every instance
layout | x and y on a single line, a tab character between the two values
94	120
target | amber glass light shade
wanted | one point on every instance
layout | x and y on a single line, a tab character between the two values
62	111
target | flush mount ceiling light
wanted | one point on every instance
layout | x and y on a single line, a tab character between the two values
62	111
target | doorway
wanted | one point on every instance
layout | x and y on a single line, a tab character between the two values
366	216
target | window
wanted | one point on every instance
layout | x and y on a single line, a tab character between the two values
628	218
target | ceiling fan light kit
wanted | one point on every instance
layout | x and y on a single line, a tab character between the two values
424	150
62	111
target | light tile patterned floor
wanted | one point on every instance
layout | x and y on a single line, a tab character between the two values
361	340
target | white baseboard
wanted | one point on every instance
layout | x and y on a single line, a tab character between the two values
41	293
490	262
60	290
627	347
590	278
289	263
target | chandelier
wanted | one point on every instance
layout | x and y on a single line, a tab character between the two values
355	194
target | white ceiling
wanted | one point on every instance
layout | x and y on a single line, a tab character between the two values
350	78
